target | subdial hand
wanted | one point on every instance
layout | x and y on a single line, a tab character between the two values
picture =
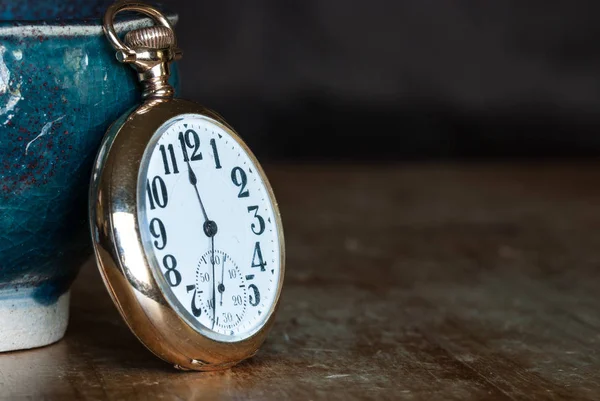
222	285
212	261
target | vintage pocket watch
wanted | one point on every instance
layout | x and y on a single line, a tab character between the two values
185	226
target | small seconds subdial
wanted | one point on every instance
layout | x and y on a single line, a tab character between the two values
229	287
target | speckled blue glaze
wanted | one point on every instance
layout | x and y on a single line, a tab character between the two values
60	89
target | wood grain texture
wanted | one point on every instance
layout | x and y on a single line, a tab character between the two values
404	282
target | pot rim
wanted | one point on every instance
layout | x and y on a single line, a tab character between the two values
73	28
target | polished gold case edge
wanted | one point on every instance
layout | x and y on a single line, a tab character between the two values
113	193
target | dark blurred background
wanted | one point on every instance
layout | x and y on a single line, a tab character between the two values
388	80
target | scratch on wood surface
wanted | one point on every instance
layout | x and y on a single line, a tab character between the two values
320	350
336	376
318	365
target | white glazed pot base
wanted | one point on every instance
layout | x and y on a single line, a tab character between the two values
25	323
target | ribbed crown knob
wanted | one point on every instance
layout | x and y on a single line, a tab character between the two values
154	37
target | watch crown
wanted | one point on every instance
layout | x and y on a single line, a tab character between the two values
148	50
154	37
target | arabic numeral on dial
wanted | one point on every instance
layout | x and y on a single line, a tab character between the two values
257	258
237	300
195	310
204	277
157	193
228	317
157	230
211	304
170	157
232	273
261	221
172	275
254	300
190	140
213	143
238	177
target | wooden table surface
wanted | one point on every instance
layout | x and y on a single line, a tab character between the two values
403	282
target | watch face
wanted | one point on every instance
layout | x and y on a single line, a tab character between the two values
209	228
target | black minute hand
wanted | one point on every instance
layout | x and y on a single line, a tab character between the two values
194	182
209	227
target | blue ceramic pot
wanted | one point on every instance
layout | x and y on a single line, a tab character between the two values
60	89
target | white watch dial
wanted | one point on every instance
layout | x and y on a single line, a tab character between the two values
209	228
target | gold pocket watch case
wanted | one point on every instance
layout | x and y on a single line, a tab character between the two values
185	226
